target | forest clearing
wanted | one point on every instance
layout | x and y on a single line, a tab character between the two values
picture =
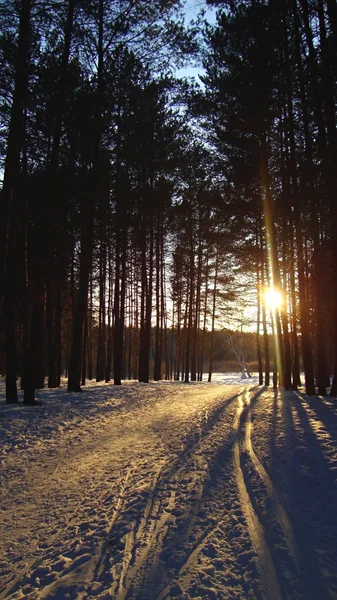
170	491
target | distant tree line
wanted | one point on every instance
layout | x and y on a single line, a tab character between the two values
235	356
132	203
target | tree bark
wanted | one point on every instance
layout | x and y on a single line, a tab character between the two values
9	199
210	369
88	219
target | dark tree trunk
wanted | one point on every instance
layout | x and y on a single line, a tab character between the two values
210	369
158	335
203	337
88	212
119	303
55	219
144	293
258	337
196	323
84	350
101	350
146	310
109	326
11	390
269	216
190	300
118	334
90	330
296	354
265	337
163	316
9	199
53	323
33	354
75	366
15	137
303	306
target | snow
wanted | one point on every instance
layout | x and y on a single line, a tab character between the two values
167	491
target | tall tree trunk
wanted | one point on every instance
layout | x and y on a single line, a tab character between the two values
118	327
190	300
9	199
101	342
158	334
258	323
329	72
269	216
204	327
196	323
32	369
84	350
53	272
74	374
109	323
163	312
303	306
15	138
144	295
90	329
210	369
265	329
296	355
88	213
148	311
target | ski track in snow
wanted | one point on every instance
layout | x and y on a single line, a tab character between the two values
167	490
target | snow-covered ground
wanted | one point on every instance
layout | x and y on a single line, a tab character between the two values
169	490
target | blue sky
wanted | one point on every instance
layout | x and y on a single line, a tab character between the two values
192	8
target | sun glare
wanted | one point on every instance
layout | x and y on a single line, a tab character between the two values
272	298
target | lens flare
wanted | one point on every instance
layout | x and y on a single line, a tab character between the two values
273	298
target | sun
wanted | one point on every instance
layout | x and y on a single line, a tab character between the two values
273	298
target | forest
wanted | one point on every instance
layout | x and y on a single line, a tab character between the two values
140	211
